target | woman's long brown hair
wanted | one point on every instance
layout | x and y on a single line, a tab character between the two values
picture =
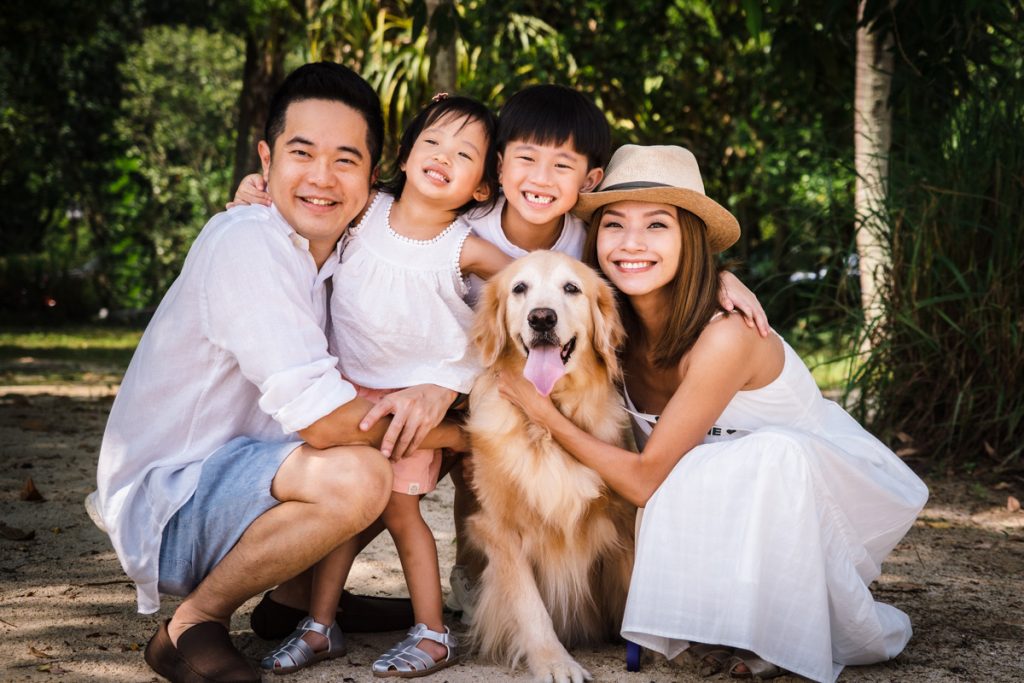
694	291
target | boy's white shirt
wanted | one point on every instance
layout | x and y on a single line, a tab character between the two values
236	348
487	225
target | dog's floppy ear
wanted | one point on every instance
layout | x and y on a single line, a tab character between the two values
489	332
608	331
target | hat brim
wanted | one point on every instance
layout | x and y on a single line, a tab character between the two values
723	228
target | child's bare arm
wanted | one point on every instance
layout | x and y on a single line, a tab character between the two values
481	258
252	190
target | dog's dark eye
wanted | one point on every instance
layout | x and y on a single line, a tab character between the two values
571	288
519	288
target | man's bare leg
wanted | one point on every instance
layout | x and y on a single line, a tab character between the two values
295	592
327	497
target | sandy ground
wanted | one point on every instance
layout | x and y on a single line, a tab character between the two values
68	612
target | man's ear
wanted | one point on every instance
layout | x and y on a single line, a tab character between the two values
592	180
264	151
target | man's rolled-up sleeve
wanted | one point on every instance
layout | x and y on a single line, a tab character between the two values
260	309
320	390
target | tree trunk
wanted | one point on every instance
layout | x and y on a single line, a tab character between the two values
441	45
262	74
872	131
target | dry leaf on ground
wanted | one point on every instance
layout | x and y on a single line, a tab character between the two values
29	492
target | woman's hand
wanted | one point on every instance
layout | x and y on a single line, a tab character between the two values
252	190
734	295
521	393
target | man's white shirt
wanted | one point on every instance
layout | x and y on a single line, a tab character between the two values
236	348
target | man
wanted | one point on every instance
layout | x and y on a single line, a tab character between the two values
204	487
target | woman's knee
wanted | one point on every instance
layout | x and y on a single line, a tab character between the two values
784	452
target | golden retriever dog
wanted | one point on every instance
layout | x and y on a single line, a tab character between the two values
558	542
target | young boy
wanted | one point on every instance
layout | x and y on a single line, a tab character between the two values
553	143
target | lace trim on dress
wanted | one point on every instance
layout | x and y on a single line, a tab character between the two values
409	240
461	278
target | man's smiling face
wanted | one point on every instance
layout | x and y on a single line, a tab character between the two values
319	173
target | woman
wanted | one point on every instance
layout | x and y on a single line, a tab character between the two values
768	508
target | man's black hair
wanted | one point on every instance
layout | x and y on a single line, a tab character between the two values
466	110
332	82
553	115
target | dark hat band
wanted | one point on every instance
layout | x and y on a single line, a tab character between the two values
634	185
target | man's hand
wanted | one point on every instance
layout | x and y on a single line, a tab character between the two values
415	411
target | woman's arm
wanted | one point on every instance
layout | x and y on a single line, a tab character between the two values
726	357
481	258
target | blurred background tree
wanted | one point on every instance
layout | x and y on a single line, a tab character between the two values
124	128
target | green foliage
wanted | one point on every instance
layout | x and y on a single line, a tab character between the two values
949	371
56	102
180	90
497	50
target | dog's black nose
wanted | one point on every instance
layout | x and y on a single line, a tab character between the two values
542	319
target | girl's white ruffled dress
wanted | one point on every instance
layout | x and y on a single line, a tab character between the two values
767	536
398	313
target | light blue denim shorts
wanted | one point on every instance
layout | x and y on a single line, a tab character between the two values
233	490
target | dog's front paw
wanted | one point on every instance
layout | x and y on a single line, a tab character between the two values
562	669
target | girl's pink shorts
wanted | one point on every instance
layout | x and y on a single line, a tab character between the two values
416	473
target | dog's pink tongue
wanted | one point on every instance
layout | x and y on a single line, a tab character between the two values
544	367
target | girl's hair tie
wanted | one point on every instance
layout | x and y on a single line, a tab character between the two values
440	96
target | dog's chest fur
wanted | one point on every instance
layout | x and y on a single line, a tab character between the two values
523	464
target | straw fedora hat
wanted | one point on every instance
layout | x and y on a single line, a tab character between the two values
665	174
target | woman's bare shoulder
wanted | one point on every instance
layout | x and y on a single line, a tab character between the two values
728	342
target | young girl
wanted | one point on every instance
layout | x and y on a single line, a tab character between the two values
768	509
398	318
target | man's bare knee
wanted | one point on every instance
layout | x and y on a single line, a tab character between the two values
364	484
346	478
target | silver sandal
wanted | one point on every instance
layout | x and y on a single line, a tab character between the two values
294	653
405	660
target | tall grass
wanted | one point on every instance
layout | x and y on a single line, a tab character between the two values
947	372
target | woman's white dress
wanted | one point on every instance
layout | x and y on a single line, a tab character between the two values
766	536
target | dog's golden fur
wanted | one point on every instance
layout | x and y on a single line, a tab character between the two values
558	542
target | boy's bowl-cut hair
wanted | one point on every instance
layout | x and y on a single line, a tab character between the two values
553	115
335	83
